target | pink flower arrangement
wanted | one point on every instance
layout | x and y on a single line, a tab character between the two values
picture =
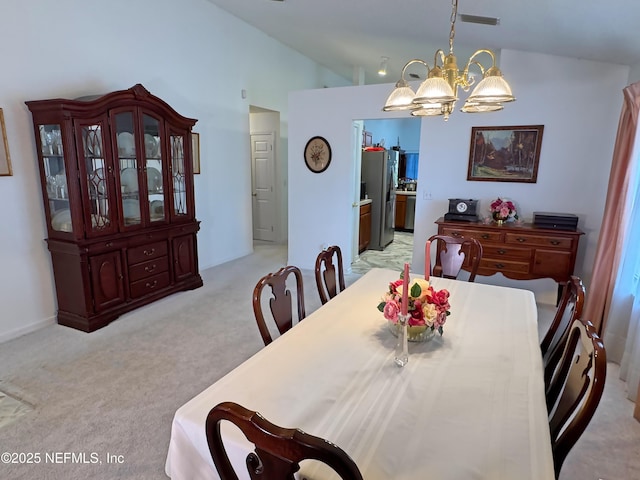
503	210
426	306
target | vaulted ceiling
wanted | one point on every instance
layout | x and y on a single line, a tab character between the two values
350	36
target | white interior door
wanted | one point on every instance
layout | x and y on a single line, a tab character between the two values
263	178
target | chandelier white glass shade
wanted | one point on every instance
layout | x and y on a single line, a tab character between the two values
437	95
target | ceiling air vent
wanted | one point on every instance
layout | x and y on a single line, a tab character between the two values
478	19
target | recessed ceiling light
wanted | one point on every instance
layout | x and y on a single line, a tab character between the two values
382	70
478	19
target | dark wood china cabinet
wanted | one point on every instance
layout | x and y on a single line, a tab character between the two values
117	183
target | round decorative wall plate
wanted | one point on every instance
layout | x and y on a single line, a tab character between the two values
317	154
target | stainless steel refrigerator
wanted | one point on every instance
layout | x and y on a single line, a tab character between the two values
380	173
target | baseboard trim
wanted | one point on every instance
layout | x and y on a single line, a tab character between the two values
32	327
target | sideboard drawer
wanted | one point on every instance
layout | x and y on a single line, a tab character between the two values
147	252
480	235
503	266
538	240
504	251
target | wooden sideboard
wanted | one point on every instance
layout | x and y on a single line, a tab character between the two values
520	252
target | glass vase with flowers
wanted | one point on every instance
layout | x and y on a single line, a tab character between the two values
503	210
427	309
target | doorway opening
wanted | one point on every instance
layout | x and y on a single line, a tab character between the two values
268	177
399	141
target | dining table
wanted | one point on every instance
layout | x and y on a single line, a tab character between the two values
469	404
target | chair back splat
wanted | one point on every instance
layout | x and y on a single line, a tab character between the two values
569	309
453	254
575	389
281	303
278	451
329	280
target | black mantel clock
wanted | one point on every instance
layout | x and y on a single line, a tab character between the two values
461	209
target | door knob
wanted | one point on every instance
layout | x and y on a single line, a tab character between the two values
254	194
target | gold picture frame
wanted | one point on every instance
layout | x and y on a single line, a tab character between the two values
195	149
5	158
505	153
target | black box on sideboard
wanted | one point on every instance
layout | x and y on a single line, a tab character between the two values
557	221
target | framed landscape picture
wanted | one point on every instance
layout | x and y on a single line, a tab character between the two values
505	154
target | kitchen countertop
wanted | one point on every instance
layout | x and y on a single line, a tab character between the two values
405	192
365	202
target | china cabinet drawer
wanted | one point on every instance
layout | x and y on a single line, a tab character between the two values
147	252
538	240
149	285
106	246
148	268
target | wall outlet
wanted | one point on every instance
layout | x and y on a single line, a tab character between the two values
427	196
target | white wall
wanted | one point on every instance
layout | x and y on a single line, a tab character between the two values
189	53
578	101
634	75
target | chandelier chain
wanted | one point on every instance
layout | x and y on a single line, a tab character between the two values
454	14
437	95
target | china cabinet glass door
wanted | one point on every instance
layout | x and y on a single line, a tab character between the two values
98	186
128	169
52	155
178	175
153	169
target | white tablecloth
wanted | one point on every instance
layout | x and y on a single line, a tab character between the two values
468	405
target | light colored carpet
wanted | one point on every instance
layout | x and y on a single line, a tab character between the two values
114	391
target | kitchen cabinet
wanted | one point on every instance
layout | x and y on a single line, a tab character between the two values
117	182
405	210
520	252
365	226
401	210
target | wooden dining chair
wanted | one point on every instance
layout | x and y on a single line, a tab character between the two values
568	310
450	256
281	302
575	389
329	280
278	451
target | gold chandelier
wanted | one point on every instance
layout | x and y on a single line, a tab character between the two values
437	95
